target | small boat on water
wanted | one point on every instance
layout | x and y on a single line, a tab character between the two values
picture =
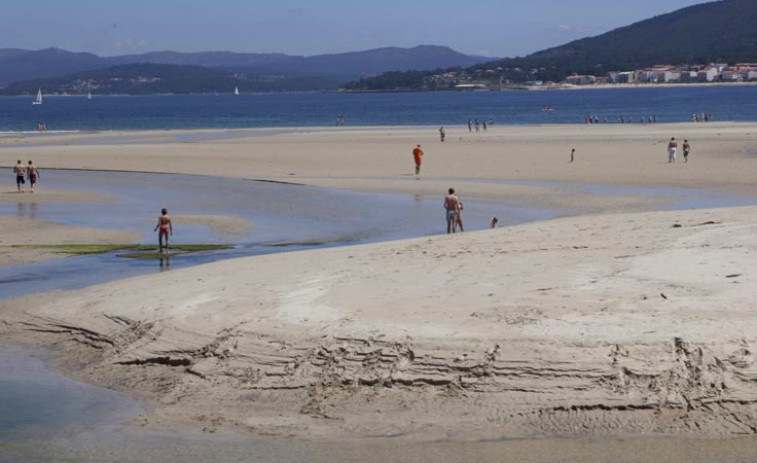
38	100
89	95
236	90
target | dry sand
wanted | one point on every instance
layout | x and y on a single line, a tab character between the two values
619	323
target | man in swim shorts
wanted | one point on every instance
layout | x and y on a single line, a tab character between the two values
33	174
418	157
19	170
672	148
686	150
165	226
452	206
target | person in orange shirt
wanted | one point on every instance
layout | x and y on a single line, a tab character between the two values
418	156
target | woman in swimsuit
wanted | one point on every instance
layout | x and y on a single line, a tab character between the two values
166	228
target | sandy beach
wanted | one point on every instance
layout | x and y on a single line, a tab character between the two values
621	318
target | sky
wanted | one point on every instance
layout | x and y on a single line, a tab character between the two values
495	28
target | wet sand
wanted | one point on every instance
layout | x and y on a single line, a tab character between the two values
17	232
622	322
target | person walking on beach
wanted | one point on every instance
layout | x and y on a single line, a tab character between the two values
166	228
470	126
686	150
441	133
572	154
33	174
18	169
672	149
493	223
452	208
418	158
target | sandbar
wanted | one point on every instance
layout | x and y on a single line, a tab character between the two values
621	320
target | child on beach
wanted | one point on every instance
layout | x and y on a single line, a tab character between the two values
33	175
166	228
460	217
493	223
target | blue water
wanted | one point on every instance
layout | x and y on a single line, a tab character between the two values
36	401
675	104
284	217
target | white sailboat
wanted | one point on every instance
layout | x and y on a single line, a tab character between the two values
236	90
39	97
89	95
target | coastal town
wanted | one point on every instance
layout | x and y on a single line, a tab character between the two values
494	79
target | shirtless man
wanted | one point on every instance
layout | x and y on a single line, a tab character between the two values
418	157
452	206
672	148
19	170
33	174
165	226
686	150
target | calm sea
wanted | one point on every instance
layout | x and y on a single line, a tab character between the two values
724	103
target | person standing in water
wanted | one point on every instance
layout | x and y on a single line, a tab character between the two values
19	170
33	174
418	158
166	228
459	221
452	208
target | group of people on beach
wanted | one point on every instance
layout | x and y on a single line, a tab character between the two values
673	150
452	205
479	124
453	209
589	119
23	173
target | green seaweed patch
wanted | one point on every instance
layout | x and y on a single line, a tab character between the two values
185	247
79	249
200	247
151	255
86	249
152	252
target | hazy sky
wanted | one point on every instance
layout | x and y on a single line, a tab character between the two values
485	27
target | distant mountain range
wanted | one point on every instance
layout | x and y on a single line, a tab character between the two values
20	65
721	31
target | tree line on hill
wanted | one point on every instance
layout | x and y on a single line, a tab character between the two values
721	31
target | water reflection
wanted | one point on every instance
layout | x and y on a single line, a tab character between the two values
27	210
165	264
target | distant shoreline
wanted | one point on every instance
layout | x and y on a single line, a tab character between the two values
640	86
401	90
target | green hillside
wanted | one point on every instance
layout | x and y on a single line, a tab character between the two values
145	79
722	31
